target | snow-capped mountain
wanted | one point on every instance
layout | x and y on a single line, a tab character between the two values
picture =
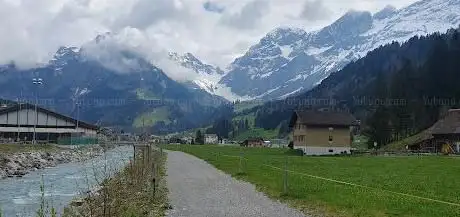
206	77
287	60
191	62
113	84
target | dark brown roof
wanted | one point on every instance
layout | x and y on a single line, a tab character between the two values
254	139
322	118
449	124
15	107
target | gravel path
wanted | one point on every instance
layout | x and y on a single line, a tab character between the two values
197	189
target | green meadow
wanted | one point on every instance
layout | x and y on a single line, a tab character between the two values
344	185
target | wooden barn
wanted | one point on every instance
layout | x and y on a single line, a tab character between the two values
442	137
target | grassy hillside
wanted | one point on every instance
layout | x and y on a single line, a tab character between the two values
257	132
246	105
250	117
144	94
150	118
346	186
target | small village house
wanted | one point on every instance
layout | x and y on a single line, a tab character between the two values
223	141
442	137
253	142
279	143
322	132
211	139
187	139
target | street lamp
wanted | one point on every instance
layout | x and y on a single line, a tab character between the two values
37	82
78	114
76	125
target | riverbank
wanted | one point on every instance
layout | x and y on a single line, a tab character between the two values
18	160
137	190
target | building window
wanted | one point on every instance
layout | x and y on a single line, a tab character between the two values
330	134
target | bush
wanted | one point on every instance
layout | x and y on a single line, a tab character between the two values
295	152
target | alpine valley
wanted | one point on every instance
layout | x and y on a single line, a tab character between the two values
117	85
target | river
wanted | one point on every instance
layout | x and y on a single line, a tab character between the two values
22	196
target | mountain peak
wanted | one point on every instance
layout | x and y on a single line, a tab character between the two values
387	11
284	35
351	24
355	15
191	57
286	30
279	66
102	37
188	60
66	51
63	55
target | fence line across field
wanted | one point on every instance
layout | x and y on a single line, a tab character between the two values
340	182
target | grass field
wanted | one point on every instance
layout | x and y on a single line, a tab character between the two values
256	133
13	148
382	180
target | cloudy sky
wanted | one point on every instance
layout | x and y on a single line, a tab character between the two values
216	31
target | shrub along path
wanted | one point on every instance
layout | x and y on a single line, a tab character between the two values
198	189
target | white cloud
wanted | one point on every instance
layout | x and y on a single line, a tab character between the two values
31	30
248	17
315	10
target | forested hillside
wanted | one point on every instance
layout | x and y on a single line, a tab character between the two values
396	90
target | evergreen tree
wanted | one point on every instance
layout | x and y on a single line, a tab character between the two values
199	138
379	128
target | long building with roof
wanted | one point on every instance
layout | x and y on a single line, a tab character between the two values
20	121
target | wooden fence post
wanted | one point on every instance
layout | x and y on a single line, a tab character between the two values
285	176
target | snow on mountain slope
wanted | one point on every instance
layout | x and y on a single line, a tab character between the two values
206	78
289	60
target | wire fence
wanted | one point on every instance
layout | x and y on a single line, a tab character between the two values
241	161
136	190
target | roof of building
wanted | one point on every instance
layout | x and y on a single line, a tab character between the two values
322	118
255	139
16	107
449	124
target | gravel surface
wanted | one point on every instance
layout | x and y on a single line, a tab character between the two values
197	189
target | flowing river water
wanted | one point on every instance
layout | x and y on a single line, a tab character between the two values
22	196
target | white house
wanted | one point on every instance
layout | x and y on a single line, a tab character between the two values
211	139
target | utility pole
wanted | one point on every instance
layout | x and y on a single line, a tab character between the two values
78	115
37	82
143	130
19	118
77	122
